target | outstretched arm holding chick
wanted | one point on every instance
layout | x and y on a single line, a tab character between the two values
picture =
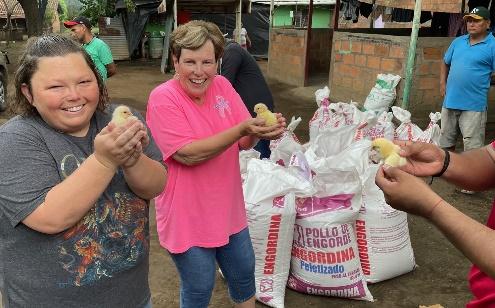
474	169
247	133
408	193
84	186
145	176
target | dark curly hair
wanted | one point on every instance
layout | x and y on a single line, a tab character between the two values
50	45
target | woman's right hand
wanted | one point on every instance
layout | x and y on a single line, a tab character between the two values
256	127
423	159
406	192
114	146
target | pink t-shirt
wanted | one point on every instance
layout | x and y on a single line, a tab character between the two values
202	205
482	286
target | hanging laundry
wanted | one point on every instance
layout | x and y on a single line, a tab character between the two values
402	15
378	24
365	9
456	25
425	16
474	3
350	9
440	24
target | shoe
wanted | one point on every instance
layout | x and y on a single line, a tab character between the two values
467	192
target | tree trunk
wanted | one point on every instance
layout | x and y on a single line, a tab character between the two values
34	12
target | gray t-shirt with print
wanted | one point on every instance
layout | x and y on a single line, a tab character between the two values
100	262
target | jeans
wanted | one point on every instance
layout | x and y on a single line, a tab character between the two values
197	270
148	304
263	147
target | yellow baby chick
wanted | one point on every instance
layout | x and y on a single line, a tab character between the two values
389	152
121	115
262	112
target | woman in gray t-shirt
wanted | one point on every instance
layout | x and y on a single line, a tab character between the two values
74	189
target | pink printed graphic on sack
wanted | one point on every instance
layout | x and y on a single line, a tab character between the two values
311	206
323	112
355	290
279	202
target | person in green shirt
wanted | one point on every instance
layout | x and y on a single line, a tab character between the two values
99	51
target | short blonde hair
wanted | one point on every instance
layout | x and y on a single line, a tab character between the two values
194	34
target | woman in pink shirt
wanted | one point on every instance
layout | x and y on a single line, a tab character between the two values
200	123
473	170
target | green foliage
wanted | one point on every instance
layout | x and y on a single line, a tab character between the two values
64	11
48	19
131	6
93	9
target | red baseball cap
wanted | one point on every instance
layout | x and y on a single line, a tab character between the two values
81	20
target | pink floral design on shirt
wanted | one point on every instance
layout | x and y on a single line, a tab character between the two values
222	105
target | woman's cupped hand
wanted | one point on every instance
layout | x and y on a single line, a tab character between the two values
256	127
122	145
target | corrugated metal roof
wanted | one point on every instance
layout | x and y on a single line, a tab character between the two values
18	11
117	43
212	6
294	2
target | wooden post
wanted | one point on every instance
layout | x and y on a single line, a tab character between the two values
412	55
336	15
238	22
308	42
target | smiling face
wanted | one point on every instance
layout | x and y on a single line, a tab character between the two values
64	91
196	69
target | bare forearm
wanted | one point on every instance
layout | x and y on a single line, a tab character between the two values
205	149
474	170
474	240
146	178
248	142
444	72
66	203
111	69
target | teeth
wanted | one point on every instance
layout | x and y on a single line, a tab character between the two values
74	109
196	81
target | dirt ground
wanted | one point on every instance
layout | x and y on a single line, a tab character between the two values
440	277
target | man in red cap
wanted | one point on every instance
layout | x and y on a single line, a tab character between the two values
99	51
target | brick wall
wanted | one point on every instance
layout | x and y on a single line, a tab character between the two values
287	56
357	58
448	6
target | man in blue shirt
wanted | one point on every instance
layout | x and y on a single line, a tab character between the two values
464	81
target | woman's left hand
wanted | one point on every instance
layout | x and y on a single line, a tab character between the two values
406	192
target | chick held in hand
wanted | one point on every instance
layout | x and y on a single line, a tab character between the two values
121	115
389	152
262	112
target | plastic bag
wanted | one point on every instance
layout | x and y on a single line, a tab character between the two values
269	193
325	258
383	93
407	130
382	234
283	148
432	132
